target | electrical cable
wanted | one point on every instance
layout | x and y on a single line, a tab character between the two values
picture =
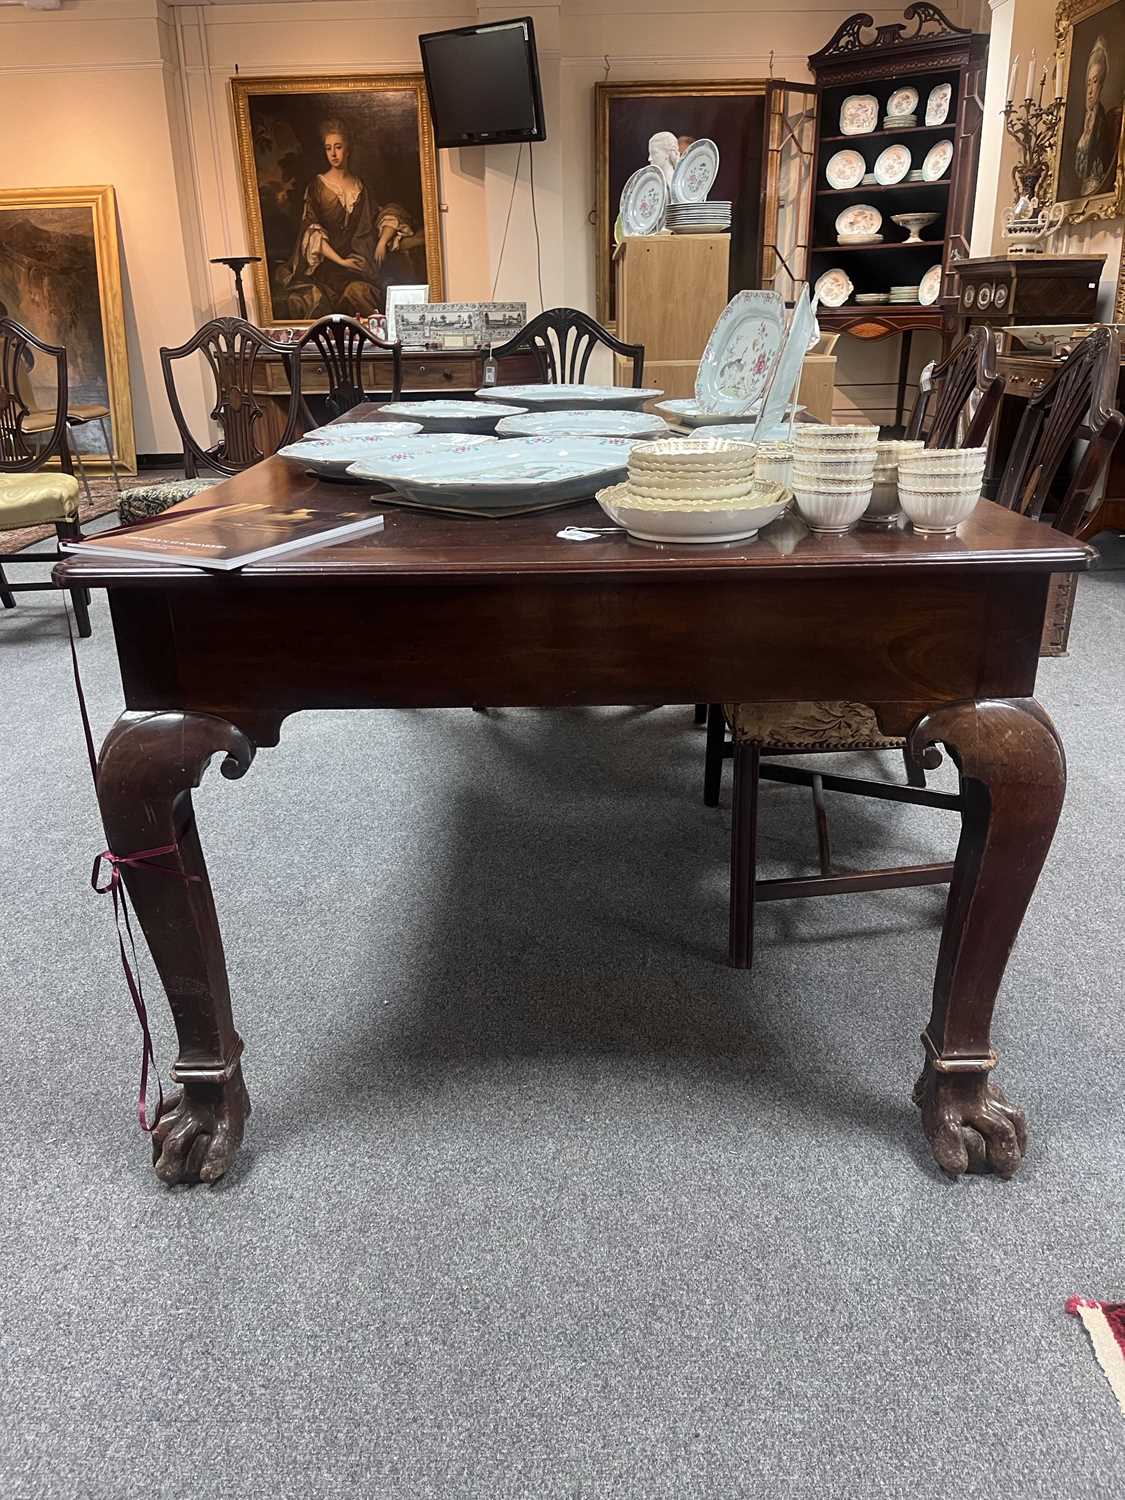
535	221
508	220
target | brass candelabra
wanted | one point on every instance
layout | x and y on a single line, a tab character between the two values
1033	126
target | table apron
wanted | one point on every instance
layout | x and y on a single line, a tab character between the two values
238	651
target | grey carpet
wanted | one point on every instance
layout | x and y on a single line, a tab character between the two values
539	1199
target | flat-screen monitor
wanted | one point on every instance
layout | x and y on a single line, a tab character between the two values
483	83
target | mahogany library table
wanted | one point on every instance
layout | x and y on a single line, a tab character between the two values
940	634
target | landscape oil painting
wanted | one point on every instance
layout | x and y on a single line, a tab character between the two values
60	277
339	181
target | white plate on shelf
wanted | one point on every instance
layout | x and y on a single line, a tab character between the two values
527	471
937	161
834	287
454	416
634	424
564	397
860	221
903	101
695	172
740	353
846	169
929	288
937	105
859	114
734	522
350	432
332	460
644	200
689	413
892	164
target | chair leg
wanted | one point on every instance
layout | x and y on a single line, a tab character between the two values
71	531
915	771
109	451
743	855
7	598
823	840
713	755
700	713
83	475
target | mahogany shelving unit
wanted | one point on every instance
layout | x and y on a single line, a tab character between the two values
865	59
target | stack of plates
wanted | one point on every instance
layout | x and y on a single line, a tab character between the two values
693	490
708	217
858	239
904	294
914	175
873	296
899	122
869	178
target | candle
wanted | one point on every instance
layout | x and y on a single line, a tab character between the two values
1042	86
1030	75
1012	77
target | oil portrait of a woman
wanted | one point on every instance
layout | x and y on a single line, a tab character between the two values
342	187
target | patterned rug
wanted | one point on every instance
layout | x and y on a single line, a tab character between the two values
1105	1323
104	499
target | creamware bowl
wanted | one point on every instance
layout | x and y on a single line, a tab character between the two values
937	514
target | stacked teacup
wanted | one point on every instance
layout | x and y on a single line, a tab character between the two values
773	462
939	487
884	509
833	474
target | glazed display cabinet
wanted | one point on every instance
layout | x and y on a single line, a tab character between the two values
862	62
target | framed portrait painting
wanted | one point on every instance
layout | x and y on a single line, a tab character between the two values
60	276
1089	177
635	120
339	179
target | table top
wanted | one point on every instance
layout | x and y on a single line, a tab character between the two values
415	546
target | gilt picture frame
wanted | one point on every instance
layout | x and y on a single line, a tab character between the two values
731	112
60	276
339	184
1088	171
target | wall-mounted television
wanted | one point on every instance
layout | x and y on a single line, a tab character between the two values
483	84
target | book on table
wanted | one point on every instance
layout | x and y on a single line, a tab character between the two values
226	537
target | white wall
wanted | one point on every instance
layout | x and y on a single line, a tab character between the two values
137	93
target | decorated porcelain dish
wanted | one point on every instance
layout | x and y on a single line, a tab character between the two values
571	397
903	101
937	105
712	521
859	221
454	416
892	165
332	460
635	424
350	432
834	287
937	161
528	471
689	413
929	288
786	374
695	172
740	353
846	169
859	114
644	200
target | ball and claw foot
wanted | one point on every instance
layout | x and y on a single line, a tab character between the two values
199	1132
969	1124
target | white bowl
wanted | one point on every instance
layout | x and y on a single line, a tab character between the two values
831	510
861	465
884	507
812	437
698	523
941	484
891	451
945	460
930	513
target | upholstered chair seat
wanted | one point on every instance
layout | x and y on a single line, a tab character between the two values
802	728
37	499
143	500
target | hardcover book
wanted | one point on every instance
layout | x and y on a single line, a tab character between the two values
226	537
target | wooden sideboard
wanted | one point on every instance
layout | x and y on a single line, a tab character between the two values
425	372
999	290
